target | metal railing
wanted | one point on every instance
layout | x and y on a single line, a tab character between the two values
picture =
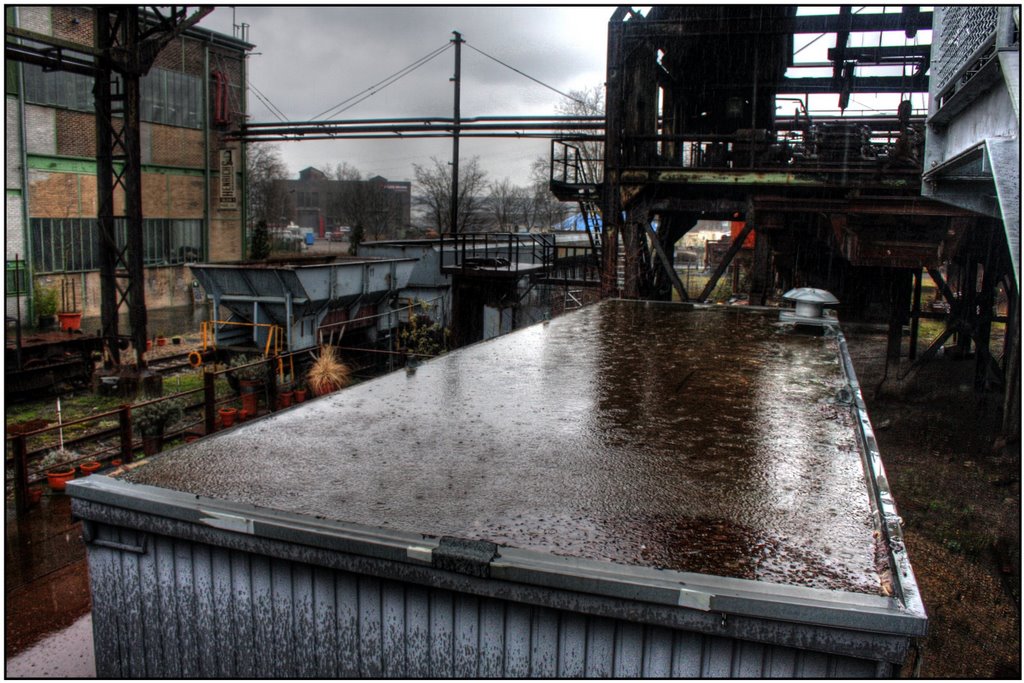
497	251
120	442
570	163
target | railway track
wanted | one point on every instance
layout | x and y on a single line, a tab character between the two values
168	365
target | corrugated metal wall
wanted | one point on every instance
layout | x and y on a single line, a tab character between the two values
165	607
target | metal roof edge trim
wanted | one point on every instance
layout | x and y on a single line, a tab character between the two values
891	524
704	593
372	260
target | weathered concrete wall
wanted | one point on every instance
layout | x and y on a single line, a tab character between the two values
41	130
12	154
166	286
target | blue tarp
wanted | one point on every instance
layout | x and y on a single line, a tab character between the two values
576	222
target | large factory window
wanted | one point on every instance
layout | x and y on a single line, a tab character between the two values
73	244
167	97
172	98
58	88
16	281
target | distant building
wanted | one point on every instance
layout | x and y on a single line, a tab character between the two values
190	98
319	203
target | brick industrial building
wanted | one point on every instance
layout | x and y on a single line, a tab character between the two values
192	211
320	203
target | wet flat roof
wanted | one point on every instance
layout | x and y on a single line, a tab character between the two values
658	435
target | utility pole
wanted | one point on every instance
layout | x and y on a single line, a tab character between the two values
457	79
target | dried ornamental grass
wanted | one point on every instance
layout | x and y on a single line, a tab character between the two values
328	373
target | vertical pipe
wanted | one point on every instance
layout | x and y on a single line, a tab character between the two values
288	317
20	475
915	317
209	402
454	202
1011	366
124	420
25	226
207	218
243	212
18	274
984	327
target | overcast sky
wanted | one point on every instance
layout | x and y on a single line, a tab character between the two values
308	59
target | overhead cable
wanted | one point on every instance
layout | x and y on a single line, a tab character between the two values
368	92
574	99
266	101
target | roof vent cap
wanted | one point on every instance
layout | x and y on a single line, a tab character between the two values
810	303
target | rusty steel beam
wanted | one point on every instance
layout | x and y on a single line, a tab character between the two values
734	249
867	205
666	263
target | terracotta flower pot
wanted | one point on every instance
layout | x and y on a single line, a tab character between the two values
149	344
70	321
227	416
284	399
161	341
250	394
116	462
35	494
57	479
88	467
300	395
326	389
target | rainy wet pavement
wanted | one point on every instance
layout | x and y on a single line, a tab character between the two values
651	435
47	623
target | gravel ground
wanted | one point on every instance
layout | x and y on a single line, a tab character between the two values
957	487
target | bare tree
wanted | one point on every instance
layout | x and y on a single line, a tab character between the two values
366	203
434	184
268	201
508	206
587	102
382	209
547	211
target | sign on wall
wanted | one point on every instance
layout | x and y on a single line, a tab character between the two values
228	188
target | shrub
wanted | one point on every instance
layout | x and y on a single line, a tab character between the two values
328	373
152	419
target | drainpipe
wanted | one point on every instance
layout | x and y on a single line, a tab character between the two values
243	161
288	318
26	235
206	151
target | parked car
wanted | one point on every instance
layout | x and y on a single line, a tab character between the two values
339	234
290	237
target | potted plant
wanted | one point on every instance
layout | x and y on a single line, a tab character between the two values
285	397
227	415
300	393
46	307
70	318
251	375
58	467
152	419
88	467
328	373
